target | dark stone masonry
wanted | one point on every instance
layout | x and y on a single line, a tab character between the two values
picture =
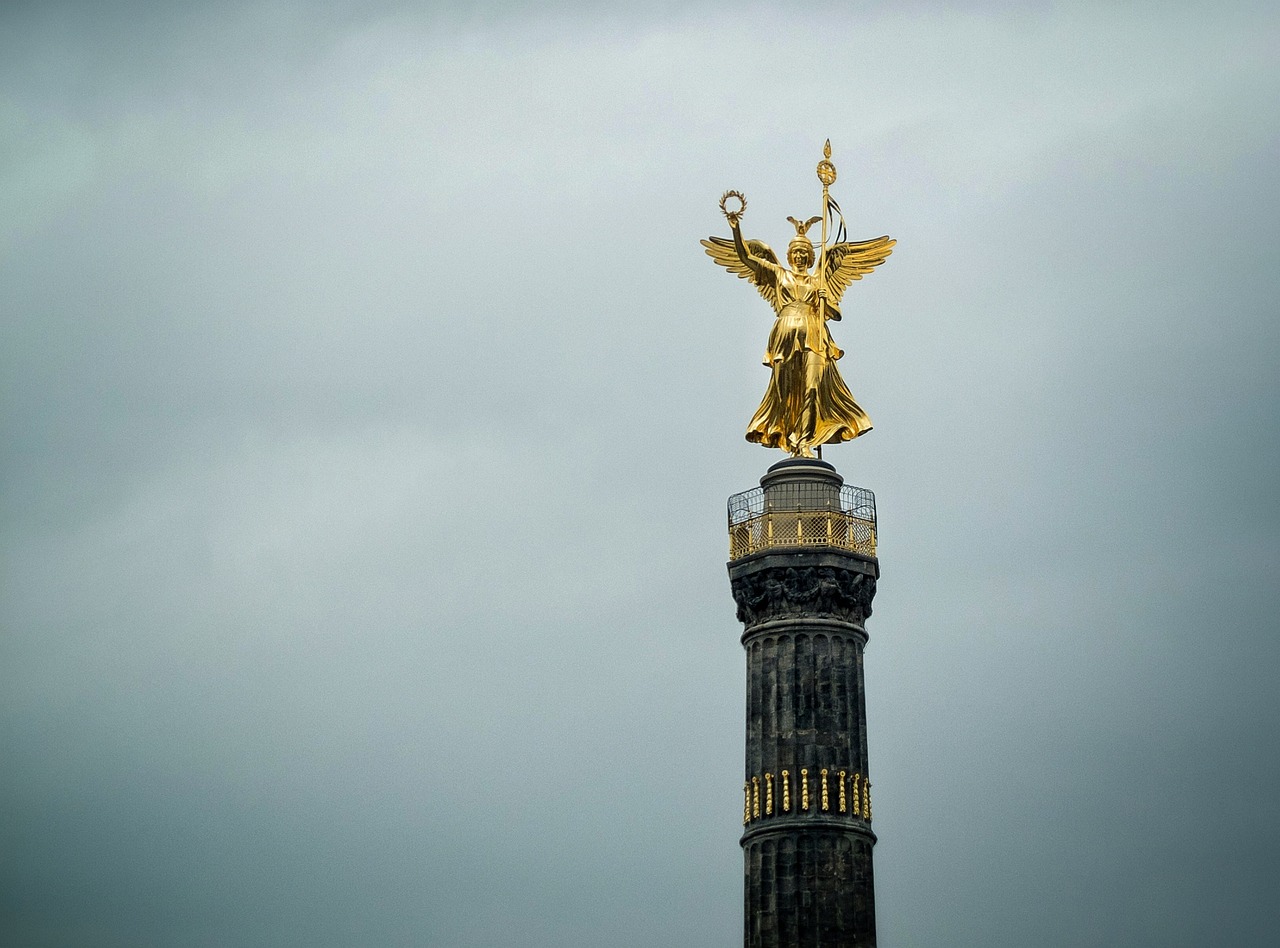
806	796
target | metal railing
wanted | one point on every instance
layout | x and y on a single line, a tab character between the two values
802	515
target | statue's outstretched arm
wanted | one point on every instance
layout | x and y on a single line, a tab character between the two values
763	268
750	260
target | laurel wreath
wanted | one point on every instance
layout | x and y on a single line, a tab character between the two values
732	216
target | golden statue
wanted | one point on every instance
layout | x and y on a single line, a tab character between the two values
807	403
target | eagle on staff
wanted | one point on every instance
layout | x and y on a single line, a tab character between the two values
807	403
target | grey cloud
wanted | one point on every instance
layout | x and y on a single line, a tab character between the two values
370	408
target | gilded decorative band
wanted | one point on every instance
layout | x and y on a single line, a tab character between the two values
853	794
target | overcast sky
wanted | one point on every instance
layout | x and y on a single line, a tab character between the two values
370	409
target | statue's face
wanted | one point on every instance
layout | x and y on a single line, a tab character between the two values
801	257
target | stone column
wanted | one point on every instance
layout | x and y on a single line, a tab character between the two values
803	597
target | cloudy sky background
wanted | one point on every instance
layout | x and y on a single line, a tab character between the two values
370	409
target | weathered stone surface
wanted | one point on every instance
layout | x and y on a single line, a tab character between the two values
808	889
808	879
803	591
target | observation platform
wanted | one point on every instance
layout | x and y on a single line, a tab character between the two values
802	504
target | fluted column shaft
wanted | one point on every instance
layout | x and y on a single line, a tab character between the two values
806	798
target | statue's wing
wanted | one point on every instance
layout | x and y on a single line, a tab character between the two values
723	252
847	262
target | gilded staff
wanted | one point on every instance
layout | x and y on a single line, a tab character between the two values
827	175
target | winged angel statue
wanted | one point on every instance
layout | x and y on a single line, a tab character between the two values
807	403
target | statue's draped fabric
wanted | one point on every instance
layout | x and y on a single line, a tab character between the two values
807	401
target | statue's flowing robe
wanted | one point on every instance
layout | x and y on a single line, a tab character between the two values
802	358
